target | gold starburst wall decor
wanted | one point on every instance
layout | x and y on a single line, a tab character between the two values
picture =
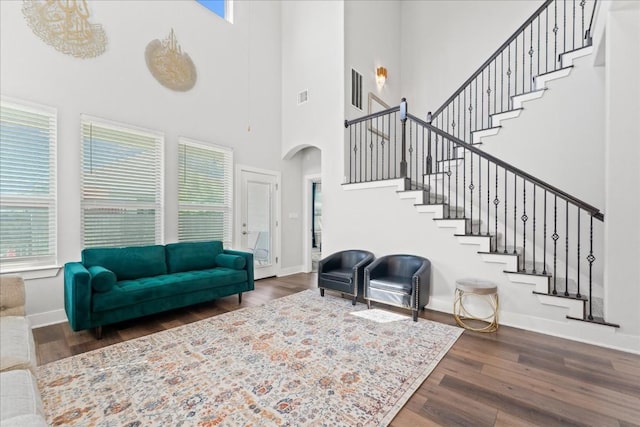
64	24
172	67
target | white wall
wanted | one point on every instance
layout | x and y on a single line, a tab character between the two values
239	83
372	39
622	175
444	42
312	59
311	161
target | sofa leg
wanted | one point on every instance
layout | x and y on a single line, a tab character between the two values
415	315
240	298
321	292
98	331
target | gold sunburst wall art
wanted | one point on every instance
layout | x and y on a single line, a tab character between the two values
65	25
170	66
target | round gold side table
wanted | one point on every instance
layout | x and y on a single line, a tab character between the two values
482	290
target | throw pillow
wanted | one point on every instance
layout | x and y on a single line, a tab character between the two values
102	280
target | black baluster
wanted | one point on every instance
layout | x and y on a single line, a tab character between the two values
488	93
495	87
476	107
534	229
496	201
449	177
424	167
482	101
515	71
501	82
515	211
360	157
479	193
578	257
382	150
590	259
531	60
546	41
582	35
395	145
555	237
523	61
471	187
365	153
564	25
505	213
538	49
489	202
429	158
544	236
555	35
573	33
566	253
524	225
464	186
410	156
509	78
456	192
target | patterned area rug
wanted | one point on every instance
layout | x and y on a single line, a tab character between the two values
301	360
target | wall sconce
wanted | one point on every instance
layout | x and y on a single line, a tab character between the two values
381	76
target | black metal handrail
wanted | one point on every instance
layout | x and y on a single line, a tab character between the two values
348	123
595	212
494	56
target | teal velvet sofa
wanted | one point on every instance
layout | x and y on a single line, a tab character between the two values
110	285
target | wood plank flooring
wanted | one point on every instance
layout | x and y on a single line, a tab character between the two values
509	378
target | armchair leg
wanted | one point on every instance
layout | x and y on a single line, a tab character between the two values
368	304
353	300
415	315
321	292
240	298
98	331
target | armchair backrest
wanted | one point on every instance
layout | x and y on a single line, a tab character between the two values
403	265
352	257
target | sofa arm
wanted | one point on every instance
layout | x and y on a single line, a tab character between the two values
12	298
77	296
248	256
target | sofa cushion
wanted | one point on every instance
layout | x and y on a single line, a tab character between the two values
128	263
102	280
19	394
234	262
130	292
191	256
17	348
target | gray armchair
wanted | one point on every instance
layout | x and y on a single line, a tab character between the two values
399	280
344	272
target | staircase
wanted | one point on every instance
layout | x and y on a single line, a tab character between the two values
542	236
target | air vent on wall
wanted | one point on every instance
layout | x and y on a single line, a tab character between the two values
303	96
356	89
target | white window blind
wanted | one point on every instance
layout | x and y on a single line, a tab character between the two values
205	191
27	185
122	184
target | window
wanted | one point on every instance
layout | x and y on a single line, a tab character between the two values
205	189
356	89
121	181
222	8
27	185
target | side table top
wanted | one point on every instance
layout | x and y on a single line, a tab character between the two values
476	286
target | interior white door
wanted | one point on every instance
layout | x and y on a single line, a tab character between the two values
258	222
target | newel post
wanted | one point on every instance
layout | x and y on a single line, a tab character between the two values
403	119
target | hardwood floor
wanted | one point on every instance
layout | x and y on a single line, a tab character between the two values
509	378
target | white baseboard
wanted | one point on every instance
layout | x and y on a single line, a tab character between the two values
290	270
47	318
589	333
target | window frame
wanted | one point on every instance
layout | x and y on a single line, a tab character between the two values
158	204
228	209
49	261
